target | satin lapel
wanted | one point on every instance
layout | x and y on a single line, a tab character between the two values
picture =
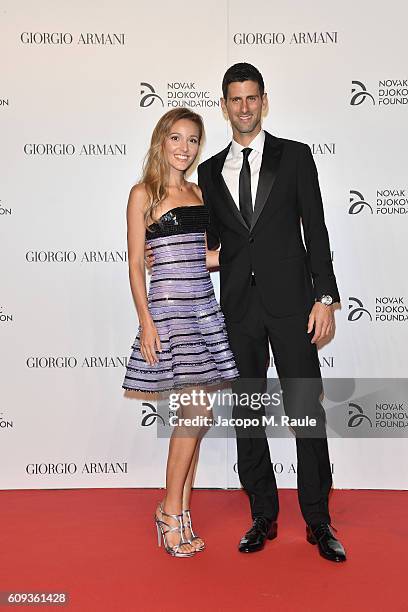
221	186
267	175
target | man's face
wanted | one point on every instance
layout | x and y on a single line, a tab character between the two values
244	106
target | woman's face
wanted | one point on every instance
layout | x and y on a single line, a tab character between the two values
182	144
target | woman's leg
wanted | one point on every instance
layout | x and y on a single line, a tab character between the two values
181	451
191	477
198	542
181	467
202	410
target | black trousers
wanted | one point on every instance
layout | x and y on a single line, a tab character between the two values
298	369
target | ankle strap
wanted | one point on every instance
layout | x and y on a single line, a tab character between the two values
177	517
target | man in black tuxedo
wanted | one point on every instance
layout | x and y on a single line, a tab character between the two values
275	288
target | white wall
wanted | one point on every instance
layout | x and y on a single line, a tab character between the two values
90	94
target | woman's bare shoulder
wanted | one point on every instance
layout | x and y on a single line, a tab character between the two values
138	196
138	190
196	189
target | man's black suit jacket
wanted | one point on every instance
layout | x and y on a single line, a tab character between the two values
290	273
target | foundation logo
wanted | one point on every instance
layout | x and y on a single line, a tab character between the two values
386	201
359	94
384	415
357	310
148	96
357	416
150	415
358	203
177	93
387	92
386	309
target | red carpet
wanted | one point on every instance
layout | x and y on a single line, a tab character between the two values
100	546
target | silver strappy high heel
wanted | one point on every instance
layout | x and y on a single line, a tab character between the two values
164	528
188	523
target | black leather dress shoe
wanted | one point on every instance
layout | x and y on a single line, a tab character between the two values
329	546
254	539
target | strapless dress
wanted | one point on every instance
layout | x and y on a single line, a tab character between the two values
181	301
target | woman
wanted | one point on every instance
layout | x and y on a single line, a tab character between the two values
182	341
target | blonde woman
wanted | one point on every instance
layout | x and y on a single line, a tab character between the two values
182	341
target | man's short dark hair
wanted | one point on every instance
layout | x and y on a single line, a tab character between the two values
242	72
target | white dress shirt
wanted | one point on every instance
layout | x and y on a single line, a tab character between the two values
233	164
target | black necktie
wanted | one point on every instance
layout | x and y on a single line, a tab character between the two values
245	197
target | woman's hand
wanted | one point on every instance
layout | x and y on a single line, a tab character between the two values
148	257
149	343
212	259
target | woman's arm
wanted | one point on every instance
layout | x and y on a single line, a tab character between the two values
136	244
211	257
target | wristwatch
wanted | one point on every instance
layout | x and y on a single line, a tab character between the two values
326	300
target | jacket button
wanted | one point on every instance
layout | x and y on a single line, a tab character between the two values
251	239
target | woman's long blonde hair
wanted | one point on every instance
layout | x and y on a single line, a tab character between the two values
156	168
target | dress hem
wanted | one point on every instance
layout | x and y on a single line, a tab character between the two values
205	383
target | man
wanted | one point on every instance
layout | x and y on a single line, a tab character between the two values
274	288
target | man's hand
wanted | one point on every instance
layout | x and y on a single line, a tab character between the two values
322	319
149	257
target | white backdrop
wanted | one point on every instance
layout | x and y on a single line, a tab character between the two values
76	119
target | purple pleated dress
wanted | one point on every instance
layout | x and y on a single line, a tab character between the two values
181	300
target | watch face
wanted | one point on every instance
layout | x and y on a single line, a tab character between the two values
326	299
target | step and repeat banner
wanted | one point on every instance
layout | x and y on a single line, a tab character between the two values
82	86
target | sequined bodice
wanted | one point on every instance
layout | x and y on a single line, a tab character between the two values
180	220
